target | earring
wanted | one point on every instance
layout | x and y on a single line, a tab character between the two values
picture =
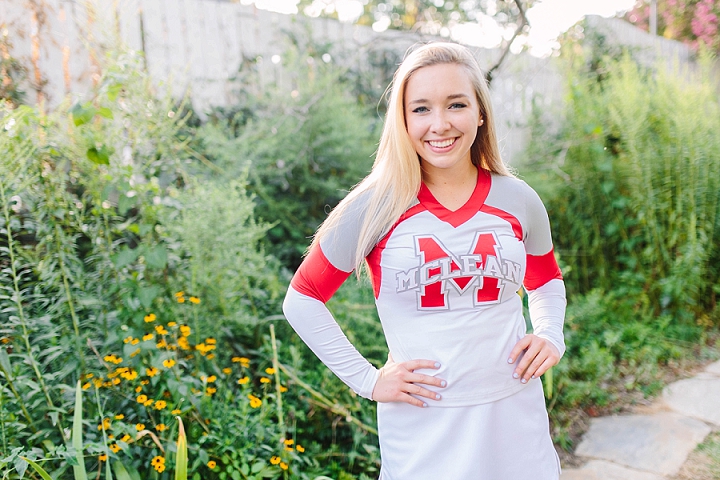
482	121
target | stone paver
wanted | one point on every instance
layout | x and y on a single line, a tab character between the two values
657	443
602	470
713	368
697	397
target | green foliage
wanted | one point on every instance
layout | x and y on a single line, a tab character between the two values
632	186
301	145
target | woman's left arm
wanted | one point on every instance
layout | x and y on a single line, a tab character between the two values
546	298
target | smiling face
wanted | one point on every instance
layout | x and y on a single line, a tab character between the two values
442	116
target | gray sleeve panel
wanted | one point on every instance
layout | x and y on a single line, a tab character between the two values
340	244
517	198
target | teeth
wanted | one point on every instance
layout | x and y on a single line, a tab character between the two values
444	143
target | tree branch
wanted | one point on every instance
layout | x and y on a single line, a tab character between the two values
506	50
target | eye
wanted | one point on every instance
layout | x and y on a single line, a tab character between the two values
420	110
458	105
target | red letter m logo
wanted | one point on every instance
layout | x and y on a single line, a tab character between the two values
438	267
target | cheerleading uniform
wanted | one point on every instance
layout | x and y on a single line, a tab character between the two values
446	287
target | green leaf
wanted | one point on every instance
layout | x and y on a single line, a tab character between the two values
5	363
38	469
156	257
113	91
147	295
21	465
124	257
105	112
77	441
100	157
82	114
121	472
181	459
125	203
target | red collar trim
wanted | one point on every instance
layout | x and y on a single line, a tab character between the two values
464	213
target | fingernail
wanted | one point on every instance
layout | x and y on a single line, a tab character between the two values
515	375
510	360
443	383
424	405
437	396
523	381
437	364
532	376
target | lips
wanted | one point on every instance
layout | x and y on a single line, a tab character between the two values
441	143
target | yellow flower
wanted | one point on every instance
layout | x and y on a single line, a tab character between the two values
102	458
211	356
126	438
226	371
115	448
139	427
210	390
299	448
149	402
185	330
142	398
283	389
211	464
243	380
135	341
274	460
181	299
119	416
283	465
97	382
86	386
177	411
151	372
158	464
255	402
131	375
194	300
150	318
210	341
161	330
127	339
148	336
179	294
105	424
160	427
289	442
161	344
212	378
160	404
168	363
270	371
183	343
144	382
264	380
135	353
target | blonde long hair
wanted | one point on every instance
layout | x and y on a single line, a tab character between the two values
395	178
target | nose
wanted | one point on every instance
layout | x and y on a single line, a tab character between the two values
440	122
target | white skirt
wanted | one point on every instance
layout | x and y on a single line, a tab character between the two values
508	439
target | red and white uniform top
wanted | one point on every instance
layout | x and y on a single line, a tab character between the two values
446	288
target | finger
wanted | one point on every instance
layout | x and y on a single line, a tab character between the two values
549	362
521	345
418	364
531	371
411	400
425	379
423	392
530	354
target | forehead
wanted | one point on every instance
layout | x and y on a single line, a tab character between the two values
439	81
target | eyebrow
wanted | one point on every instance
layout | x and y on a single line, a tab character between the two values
449	97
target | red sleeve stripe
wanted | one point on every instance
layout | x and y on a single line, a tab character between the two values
541	269
317	277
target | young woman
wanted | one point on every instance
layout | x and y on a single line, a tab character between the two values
449	237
